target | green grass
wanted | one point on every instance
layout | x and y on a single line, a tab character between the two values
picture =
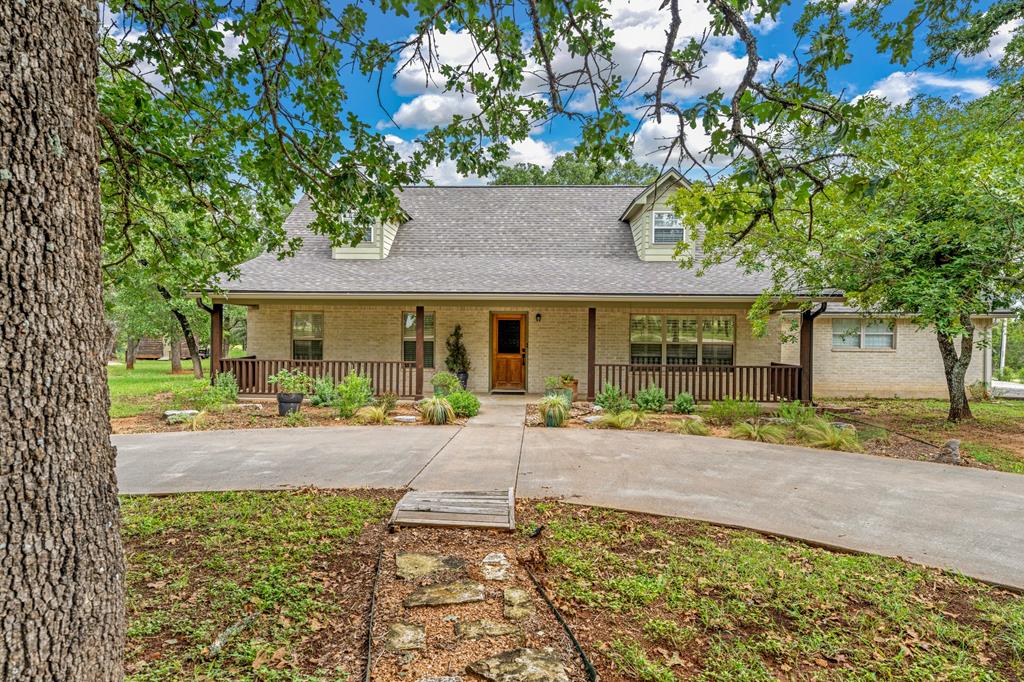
670	599
200	563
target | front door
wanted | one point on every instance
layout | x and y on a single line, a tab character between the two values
508	352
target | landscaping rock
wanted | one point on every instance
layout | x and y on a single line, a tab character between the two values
179	416
242	407
517	603
407	419
521	665
476	629
592	418
495	566
459	592
440	679
949	454
405	636
412	565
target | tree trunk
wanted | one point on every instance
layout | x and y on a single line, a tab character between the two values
60	544
129	353
175	356
186	329
955	367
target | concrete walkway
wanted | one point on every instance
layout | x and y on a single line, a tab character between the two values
1008	389
964	519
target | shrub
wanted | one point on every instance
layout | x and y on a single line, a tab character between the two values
820	433
684	403
291	381
554	409
324	393
199	395
372	414
354	391
693	427
796	413
387	402
612	399
567	378
552	383
458	358
651	399
437	410
730	411
762	433
295	419
464	403
626	419
979	391
445	383
226	384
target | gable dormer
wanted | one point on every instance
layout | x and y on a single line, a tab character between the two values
655	226
376	244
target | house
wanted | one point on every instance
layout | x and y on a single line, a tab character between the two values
547	280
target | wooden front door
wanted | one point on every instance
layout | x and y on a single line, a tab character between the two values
508	352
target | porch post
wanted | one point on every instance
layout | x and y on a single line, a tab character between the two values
807	318
591	351
419	351
216	339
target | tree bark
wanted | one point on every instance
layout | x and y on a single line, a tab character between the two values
61	562
955	367
186	329
175	356
131	347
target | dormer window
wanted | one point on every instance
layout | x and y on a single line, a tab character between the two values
368	231
667	228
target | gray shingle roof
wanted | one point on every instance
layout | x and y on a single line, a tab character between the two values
494	240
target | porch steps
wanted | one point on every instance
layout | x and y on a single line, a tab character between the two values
456	509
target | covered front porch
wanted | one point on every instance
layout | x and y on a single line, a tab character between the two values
707	350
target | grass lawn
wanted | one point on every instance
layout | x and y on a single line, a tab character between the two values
148	387
289	575
995	437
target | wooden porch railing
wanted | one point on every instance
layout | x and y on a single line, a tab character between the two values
705	382
387	375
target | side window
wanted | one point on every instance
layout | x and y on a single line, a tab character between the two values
409	338
307	335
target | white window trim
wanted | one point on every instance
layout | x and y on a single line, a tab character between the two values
700	336
860	347
655	242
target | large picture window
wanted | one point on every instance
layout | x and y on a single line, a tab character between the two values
682	339
307	335
863	334
409	338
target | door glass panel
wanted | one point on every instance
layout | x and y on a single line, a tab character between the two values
508	336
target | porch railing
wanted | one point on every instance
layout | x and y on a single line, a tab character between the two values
762	383
388	376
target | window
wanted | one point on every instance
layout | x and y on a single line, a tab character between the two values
864	334
307	336
368	232
682	339
667	228
409	338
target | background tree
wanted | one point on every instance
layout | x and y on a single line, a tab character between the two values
573	169
138	311
928	224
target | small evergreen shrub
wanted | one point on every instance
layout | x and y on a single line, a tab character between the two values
324	393
612	399
387	402
729	411
693	427
437	410
651	399
227	386
684	403
796	413
354	391
458	358
464	403
554	410
762	433
445	383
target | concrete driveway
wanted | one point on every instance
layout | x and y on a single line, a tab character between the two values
969	520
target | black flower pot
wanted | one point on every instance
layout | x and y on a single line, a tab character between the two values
288	403
463	378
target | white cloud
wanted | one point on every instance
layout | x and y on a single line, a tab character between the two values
532	150
432	109
453	47
997	46
900	87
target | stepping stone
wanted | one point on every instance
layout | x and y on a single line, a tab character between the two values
476	629
405	636
409	419
459	592
521	665
439	679
517	603
592	418
495	566
412	565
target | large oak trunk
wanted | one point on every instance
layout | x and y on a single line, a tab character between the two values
62	604
955	367
175	356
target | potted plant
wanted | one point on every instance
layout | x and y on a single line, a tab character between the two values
457	361
554	385
572	383
292	386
